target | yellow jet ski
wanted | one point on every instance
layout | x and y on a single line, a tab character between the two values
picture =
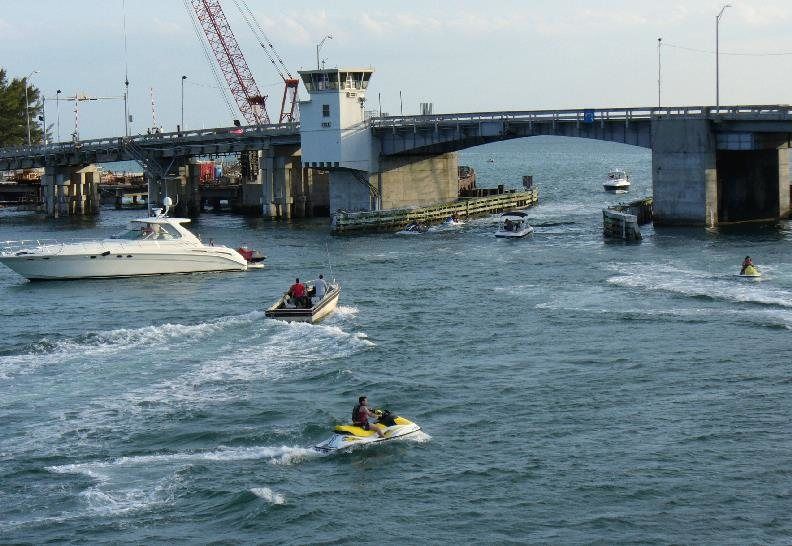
750	272
346	437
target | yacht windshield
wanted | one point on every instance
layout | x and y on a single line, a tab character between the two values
149	232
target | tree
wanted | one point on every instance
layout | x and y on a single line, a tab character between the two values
13	126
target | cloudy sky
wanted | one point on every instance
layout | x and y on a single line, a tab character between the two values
461	55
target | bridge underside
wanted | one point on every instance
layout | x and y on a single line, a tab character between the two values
440	138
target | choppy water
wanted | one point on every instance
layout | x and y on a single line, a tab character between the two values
571	390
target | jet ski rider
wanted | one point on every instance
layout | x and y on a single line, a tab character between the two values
746	263
361	416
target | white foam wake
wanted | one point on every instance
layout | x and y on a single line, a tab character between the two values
103	345
141	482
100	470
702	284
268	495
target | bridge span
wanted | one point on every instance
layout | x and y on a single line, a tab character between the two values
709	165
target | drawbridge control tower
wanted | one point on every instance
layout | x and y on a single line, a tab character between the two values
336	137
334	134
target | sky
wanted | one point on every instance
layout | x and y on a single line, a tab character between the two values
462	56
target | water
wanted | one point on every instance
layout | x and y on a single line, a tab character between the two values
572	390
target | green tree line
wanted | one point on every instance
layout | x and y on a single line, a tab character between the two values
13	124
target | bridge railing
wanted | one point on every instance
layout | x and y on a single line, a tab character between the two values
150	139
590	114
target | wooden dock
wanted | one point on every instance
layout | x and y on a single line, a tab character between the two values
395	219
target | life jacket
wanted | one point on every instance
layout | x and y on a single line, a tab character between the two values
356	414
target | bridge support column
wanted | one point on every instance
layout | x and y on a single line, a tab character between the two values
407	181
285	184
69	191
684	176
754	184
267	176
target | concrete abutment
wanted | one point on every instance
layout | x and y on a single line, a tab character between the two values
701	176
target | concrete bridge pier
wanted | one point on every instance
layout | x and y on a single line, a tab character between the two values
703	176
70	191
398	182
180	183
288	189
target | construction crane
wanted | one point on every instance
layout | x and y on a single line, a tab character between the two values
232	64
251	103
288	111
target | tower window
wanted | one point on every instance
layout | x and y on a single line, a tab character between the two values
326	110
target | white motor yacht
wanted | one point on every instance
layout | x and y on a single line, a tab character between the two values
618	181
514	224
151	246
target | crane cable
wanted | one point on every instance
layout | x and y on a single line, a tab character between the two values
221	84
261	37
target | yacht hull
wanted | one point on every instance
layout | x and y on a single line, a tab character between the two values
120	264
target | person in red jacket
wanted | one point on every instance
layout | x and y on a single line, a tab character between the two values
297	292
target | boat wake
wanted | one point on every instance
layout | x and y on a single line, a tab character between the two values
700	284
131	484
268	495
103	345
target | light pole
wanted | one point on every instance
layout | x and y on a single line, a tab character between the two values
659	43
181	127
717	55
57	108
126	103
27	105
319	46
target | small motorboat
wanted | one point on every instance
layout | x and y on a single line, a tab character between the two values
288	309
618	181
513	224
254	258
156	245
413	228
347	437
750	272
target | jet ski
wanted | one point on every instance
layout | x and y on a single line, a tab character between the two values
347	437
414	228
750	273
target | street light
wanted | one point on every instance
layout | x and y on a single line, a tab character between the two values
717	55
659	43
57	108
319	46
27	105
182	103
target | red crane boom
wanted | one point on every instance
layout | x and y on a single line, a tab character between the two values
231	61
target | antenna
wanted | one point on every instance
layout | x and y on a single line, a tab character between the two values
329	263
154	125
126	70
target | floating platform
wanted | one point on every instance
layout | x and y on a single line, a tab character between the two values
642	209
620	225
396	219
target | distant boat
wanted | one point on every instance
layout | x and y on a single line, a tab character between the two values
618	181
491	160
514	224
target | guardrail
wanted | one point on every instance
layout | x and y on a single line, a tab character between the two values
582	115
168	139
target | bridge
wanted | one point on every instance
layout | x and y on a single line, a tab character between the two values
709	165
445	133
